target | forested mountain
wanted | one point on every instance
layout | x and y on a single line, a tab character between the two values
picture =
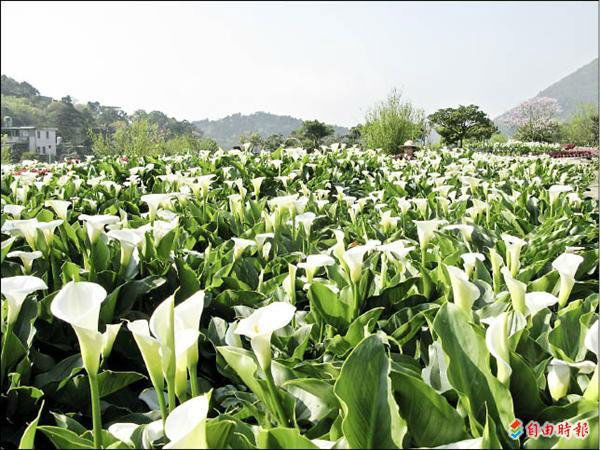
228	130
24	104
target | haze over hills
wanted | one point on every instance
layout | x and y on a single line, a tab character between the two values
227	131
572	91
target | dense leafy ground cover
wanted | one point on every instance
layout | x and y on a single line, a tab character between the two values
298	300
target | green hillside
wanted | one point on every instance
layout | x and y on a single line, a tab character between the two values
227	131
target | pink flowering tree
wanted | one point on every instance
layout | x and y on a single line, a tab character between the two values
535	120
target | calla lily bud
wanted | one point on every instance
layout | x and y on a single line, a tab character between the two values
108	339
150	350
261	324
566	265
559	374
289	284
463	291
517	291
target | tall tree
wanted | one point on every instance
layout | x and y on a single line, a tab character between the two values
312	132
465	122
392	122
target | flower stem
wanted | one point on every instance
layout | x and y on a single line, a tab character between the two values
171	393
6	337
96	415
280	414
193	369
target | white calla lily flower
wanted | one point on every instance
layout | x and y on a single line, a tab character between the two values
256	183
26	228
469	260
591	343
566	265
154	201
555	191
185	427
396	249
262	238
78	304
13	210
239	245
497	339
16	289
150	349
426	230
60	207
513	252
261	324
314	262
591	338
95	224
536	301
205	181
559	375
306	220
187	317
27	259
129	240
354	261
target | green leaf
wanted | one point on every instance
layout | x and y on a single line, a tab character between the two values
490	438
282	438
63	438
109	381
28	437
67	422
188	280
328	306
315	398
430	418
469	367
566	339
364	389
61	373
218	432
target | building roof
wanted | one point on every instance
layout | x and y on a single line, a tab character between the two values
29	128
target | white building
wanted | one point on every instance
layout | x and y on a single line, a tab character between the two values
38	140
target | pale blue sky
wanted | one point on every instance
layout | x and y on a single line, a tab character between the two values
329	61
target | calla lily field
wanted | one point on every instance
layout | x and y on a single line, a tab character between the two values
333	298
